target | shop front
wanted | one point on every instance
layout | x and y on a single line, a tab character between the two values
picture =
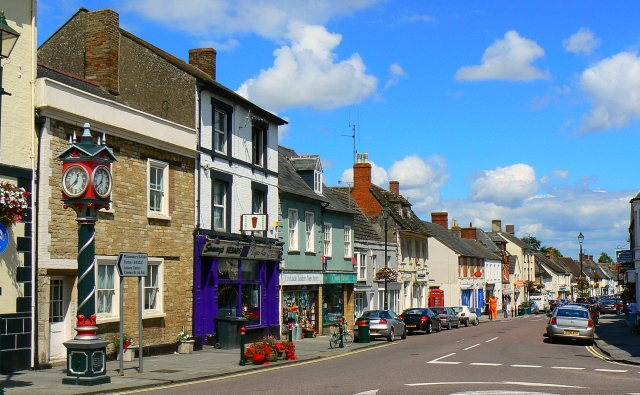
300	299
337	299
233	279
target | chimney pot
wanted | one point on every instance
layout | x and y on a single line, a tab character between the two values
366	157
359	158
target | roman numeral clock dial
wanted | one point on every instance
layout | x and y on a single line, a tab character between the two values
75	181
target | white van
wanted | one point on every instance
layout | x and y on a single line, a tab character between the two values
542	301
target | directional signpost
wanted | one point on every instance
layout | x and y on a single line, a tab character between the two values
131	264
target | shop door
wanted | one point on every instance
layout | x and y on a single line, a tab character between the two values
466	297
58	307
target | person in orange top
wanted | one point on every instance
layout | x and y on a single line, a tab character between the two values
493	303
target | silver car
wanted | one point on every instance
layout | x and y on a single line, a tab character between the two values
382	323
571	322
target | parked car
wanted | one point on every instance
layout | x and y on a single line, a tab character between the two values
448	317
535	308
571	322
466	316
382	323
421	320
593	311
542	301
610	305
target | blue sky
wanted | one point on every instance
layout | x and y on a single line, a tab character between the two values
521	111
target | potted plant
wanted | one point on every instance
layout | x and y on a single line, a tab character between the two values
14	203
258	352
185	343
128	352
290	350
272	342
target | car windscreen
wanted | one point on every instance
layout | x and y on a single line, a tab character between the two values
574	313
371	314
456	309
412	311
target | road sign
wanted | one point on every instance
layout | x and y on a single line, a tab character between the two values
132	264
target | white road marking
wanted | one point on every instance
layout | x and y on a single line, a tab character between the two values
526	366
494	383
437	360
612	370
470	347
566	368
485	364
370	392
490	340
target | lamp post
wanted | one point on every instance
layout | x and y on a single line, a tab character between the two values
580	240
385	215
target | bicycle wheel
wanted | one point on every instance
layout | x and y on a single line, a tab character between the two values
333	340
347	339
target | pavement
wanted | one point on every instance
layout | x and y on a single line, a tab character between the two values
613	338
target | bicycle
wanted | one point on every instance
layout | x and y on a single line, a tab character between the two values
347	337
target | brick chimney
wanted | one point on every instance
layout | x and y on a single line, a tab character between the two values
102	49
394	186
362	187
441	218
470	233
496	225
511	229
552	253
204	59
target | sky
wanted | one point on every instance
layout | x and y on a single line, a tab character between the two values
526	111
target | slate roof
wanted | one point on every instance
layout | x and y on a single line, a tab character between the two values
363	229
573	266
550	263
481	250
487	241
409	221
456	244
305	163
512	263
74	81
289	181
513	239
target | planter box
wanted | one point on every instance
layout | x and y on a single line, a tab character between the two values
186	347
129	354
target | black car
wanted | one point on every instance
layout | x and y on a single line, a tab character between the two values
421	320
610	305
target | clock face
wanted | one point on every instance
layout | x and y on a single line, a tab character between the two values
75	181
102	181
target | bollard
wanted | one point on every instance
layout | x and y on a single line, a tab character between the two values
243	358
340	339
290	332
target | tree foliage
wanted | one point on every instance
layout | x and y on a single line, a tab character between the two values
533	242
556	253
605	258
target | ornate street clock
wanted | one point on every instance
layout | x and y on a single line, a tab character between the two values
102	181
75	181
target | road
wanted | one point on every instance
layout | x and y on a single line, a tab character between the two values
504	357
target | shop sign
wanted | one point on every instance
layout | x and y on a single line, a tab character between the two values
421	274
506	287
520	284
229	250
340	278
624	258
301	278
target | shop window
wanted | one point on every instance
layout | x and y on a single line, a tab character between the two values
227	269
251	303
250	270
299	305
239	290
310	232
332	304
228	300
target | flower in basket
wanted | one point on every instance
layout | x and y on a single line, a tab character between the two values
14	203
387	273
289	350
184	336
128	341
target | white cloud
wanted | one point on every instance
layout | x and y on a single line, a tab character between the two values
510	58
308	74
397	72
581	41
267	18
614	87
505	186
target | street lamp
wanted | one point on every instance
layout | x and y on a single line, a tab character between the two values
8	39
385	215
580	240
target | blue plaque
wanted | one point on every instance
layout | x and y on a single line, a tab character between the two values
4	238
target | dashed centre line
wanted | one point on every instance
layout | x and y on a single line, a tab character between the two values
612	370
526	366
470	347
490	340
485	364
566	368
438	360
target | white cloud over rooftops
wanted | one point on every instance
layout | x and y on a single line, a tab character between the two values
509	58
505	186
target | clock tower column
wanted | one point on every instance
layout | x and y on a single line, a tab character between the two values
86	188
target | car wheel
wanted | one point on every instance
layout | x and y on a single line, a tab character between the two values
466	323
458	325
390	337
448	325
404	334
429	328
476	322
439	327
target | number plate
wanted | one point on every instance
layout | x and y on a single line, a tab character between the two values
411	326
568	332
373	331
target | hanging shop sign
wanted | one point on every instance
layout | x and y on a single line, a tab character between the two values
301	278
253	222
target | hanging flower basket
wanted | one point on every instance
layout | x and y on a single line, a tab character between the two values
387	273
14	203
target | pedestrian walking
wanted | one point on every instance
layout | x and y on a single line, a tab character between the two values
633	314
493	302
505	308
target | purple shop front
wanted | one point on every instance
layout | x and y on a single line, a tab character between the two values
235	281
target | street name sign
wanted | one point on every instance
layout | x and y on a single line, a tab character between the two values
132	264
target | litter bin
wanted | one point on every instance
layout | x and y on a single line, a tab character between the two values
229	332
364	333
297	331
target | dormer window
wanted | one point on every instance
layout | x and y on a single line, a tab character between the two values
317	181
